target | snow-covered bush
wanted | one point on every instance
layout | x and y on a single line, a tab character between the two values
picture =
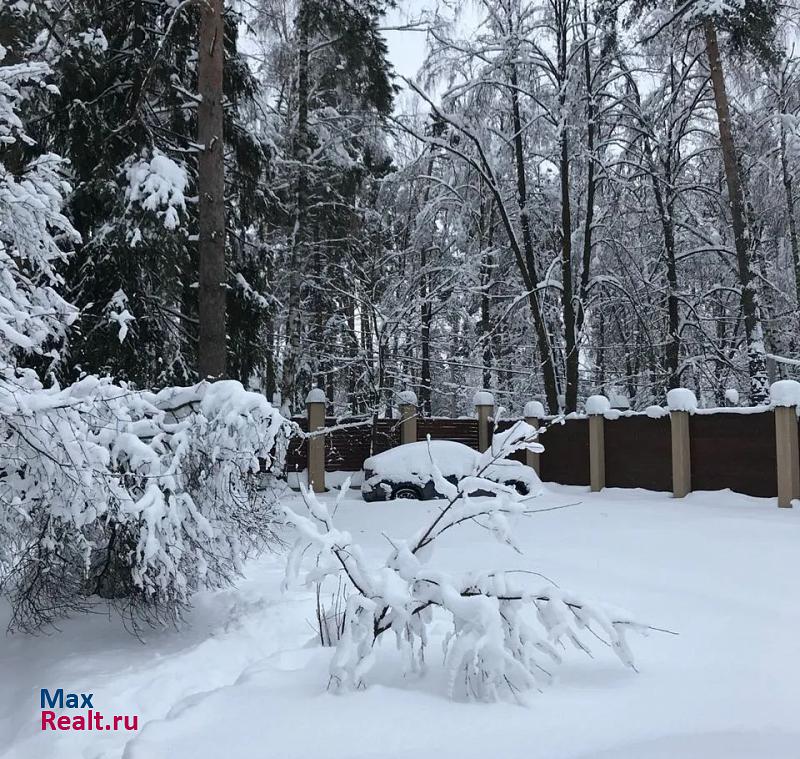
502	630
137	497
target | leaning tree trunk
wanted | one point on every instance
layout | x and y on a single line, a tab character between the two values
756	355
211	190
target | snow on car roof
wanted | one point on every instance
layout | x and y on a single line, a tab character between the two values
417	458
414	461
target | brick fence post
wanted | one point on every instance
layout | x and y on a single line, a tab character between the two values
784	395
315	412
484	407
408	417
533	413
596	407
681	402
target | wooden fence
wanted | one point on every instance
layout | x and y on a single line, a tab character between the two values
668	450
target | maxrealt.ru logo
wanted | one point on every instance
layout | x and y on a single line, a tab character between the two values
86	718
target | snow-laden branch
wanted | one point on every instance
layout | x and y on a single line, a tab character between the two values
136	496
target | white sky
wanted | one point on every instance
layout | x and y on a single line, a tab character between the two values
407	48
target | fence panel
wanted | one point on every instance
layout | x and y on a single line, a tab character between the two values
347	449
638	452
566	453
728	450
461	430
735	451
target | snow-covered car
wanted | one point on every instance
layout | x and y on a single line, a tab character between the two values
407	471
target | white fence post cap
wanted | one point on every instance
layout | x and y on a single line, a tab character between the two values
407	398
315	395
785	393
533	409
597	405
681	399
483	398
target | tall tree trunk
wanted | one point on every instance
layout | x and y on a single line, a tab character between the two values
665	207
528	264
211	190
297	244
600	353
788	187
591	179
486	241
672	349
351	351
425	336
426	311
567	294
754	335
319	362
269	325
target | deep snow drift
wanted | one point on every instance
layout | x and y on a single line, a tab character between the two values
243	681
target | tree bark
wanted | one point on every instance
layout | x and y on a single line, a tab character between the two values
297	243
591	185
211	346
788	187
754	335
531	280
567	294
426	316
423	237
486	241
665	204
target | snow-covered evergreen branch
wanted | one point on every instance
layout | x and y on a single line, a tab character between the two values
137	497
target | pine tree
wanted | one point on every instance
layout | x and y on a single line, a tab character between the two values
211	339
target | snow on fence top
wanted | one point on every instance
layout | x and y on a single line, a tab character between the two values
785	393
483	398
534	409
597	405
681	399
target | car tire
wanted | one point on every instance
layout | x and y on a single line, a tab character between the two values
407	493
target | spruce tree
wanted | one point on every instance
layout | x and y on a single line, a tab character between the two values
125	116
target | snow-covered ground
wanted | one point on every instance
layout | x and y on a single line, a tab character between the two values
243	681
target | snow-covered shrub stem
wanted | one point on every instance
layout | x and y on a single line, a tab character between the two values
137	497
502	632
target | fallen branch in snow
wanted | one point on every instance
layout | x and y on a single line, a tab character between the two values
492	645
